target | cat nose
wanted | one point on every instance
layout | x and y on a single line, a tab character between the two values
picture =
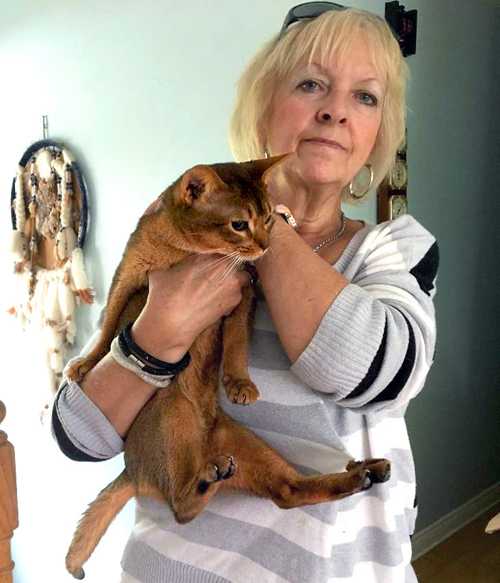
264	244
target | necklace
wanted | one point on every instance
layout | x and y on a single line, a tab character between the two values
333	237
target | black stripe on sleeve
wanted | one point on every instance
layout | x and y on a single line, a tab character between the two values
374	369
63	441
391	392
426	269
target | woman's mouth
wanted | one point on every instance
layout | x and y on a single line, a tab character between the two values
325	142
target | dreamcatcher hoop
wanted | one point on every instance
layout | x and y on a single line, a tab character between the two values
49	213
27	156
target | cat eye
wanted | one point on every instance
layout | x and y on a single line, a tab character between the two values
240	225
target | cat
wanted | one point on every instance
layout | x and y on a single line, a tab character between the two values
182	447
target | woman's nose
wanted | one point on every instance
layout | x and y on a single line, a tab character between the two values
333	111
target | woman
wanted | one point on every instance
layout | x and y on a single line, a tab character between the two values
349	304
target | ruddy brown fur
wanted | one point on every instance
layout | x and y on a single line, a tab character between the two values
182	447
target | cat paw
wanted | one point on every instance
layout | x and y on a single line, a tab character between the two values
357	479
224	467
379	470
77	371
221	468
240	391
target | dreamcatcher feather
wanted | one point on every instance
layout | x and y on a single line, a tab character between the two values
49	219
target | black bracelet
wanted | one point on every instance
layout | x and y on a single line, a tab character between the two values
160	372
161	368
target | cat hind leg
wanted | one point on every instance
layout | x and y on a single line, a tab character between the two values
301	491
263	471
196	495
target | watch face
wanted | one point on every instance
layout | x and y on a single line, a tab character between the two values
399	175
398	205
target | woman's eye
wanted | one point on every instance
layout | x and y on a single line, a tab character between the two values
367	98
239	225
309	85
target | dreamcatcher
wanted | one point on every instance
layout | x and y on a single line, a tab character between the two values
49	220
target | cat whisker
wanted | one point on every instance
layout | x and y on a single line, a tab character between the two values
268	255
217	262
214	264
229	258
234	266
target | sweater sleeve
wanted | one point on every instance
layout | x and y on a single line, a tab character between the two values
375	344
80	428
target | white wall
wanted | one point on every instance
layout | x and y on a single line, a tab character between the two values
140	91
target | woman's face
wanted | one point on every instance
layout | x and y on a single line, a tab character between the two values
330	116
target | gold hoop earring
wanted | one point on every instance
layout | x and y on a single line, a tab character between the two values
351	187
266	152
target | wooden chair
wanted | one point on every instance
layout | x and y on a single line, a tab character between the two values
8	503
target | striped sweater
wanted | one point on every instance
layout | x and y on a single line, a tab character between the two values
345	397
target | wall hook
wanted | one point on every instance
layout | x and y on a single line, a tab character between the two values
45	126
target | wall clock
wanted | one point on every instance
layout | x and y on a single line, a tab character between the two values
392	200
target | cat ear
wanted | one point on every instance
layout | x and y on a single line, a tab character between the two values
259	168
199	183
272	164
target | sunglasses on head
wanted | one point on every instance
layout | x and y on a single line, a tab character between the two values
307	11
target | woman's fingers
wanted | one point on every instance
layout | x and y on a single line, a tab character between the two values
195	293
244	278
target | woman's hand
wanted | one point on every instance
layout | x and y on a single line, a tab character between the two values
183	301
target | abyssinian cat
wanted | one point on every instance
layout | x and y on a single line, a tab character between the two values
182	447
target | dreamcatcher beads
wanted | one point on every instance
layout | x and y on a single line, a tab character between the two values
66	238
49	284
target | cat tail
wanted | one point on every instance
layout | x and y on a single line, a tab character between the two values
96	520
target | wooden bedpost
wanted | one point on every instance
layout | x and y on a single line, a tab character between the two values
8	503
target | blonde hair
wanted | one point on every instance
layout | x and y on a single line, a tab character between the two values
331	34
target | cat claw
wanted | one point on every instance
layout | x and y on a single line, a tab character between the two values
381	473
368	482
227	472
222	468
379	470
73	373
240	391
77	371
